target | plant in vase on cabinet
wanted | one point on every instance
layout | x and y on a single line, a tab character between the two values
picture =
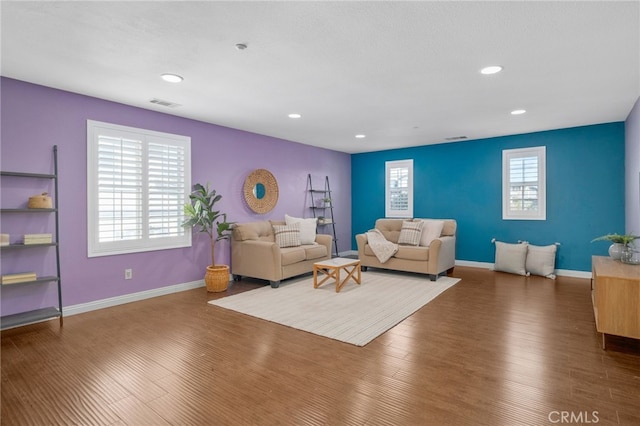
621	243
200	215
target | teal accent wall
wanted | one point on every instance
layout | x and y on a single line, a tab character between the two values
463	180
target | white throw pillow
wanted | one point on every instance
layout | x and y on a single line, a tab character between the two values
307	228
541	260
410	233
287	235
431	229
511	258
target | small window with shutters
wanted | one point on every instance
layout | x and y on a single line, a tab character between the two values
399	188
524	184
137	184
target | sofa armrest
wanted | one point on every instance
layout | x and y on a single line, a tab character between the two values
255	258
442	254
325	240
361	240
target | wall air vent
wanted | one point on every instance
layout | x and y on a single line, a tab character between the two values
164	103
455	138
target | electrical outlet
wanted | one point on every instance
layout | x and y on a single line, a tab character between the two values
128	274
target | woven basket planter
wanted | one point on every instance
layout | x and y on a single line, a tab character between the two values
217	278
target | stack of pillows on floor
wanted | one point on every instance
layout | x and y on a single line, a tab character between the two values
525	259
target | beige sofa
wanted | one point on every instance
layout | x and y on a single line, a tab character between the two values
254	253
436	259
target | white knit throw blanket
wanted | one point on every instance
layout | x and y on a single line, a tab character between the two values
382	248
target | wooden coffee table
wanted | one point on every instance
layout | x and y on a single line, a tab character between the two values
331	269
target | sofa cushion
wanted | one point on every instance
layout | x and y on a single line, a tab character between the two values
307	228
431	230
390	228
404	252
315	251
253	231
449	228
287	235
291	255
410	233
412	253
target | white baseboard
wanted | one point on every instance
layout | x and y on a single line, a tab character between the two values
487	265
128	298
134	297
558	272
473	264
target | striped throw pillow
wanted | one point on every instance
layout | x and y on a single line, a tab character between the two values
287	235
410	233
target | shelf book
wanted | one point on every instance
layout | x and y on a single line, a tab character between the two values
21	277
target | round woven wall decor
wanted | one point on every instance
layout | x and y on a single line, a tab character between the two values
268	191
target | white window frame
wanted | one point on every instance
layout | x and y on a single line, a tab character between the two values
509	213
146	241
389	210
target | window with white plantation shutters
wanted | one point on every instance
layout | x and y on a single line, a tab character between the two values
524	184
137	184
166	189
119	189
399	188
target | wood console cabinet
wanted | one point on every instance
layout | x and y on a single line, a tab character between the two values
616	297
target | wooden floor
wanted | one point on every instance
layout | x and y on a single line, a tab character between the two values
495	349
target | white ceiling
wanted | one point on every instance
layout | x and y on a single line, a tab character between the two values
403	73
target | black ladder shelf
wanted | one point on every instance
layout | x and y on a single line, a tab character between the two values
322	208
46	313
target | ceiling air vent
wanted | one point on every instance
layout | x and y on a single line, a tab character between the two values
455	138
164	103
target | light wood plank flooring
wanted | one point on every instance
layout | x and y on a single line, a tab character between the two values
495	349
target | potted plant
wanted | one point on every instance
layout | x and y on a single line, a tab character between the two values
201	215
322	203
620	243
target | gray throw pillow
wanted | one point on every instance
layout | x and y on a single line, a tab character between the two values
541	260
410	233
511	258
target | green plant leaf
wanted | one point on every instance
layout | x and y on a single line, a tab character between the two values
617	238
202	217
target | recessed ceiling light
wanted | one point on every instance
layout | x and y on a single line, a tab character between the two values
241	46
361	136
294	115
172	78
493	69
518	111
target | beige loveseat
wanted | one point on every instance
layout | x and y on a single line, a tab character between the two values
254	253
436	259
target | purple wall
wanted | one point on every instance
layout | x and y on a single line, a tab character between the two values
34	118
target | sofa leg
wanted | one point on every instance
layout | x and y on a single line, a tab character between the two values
274	284
237	277
433	277
364	268
449	271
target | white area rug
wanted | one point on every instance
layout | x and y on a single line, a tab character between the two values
356	315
